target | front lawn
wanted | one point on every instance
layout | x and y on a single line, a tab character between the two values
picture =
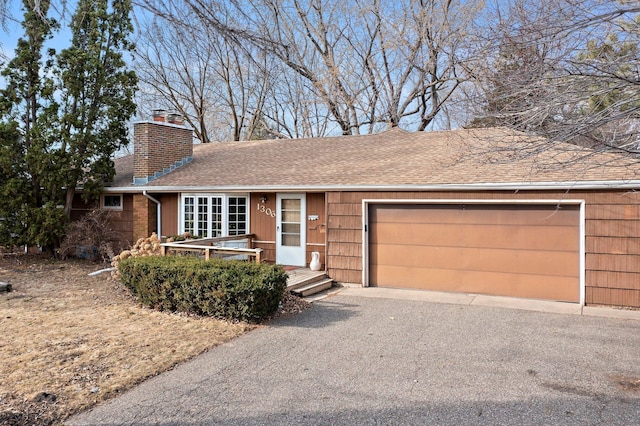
70	340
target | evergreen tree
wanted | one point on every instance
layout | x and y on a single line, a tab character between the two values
97	94
510	85
615	61
63	118
29	209
14	182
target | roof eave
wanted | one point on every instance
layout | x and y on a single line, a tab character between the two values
497	186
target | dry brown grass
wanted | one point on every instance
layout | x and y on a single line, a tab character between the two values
69	340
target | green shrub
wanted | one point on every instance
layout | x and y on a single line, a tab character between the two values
229	289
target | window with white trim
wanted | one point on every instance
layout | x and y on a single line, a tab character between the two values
112	201
188	215
237	222
214	215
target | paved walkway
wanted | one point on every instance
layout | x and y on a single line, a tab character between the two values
482	300
380	360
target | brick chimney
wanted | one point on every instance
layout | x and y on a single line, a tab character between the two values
160	146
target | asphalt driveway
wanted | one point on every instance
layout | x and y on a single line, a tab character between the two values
357	360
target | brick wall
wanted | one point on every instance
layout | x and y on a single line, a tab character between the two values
159	147
144	217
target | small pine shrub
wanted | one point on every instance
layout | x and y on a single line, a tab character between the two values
230	289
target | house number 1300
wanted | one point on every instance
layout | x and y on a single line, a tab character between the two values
267	210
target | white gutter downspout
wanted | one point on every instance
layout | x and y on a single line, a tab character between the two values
158	211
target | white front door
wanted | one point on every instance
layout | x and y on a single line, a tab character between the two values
291	229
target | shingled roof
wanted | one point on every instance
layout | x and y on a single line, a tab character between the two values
393	159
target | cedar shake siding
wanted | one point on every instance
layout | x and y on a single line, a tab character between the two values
122	222
316	229
612	236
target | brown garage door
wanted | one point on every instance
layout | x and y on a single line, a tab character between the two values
529	251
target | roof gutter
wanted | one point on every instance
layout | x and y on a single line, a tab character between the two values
507	186
158	212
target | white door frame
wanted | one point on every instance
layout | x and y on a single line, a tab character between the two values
291	255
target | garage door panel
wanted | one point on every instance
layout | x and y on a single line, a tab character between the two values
476	215
488	236
480	282
462	258
509	250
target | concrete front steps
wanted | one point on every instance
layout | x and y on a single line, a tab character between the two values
305	282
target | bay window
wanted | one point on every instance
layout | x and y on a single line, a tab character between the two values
214	215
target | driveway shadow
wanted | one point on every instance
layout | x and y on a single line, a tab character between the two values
534	411
320	314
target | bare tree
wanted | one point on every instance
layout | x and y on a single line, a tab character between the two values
176	69
365	64
195	71
5	12
291	109
565	69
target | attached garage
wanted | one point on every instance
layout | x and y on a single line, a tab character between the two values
526	249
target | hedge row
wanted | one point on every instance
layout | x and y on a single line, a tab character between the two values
221	288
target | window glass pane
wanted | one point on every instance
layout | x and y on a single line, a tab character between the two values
216	216
112	201
189	204
291	228
291	240
242	206
293	204
203	217
290	216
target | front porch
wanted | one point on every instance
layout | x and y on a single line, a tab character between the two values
302	282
